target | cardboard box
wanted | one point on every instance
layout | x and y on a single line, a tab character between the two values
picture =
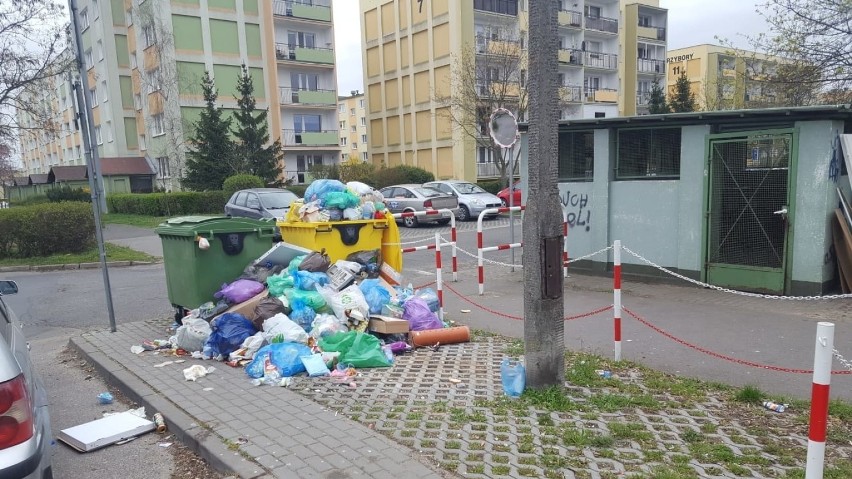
246	308
388	325
103	432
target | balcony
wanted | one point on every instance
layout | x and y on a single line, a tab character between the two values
652	33
603	61
602	24
317	10
310	138
503	7
571	94
494	46
645	65
295	96
570	56
570	18
643	98
601	95
299	53
487	170
499	89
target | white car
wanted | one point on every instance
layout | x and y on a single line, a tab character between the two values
25	437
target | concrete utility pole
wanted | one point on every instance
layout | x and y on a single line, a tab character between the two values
542	258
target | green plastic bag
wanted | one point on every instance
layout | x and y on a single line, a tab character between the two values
358	349
279	282
295	262
310	298
341	200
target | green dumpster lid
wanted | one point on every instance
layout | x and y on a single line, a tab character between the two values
194	225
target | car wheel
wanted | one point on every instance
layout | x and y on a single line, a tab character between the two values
464	214
503	201
410	221
443	221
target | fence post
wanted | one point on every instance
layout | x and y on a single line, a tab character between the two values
479	266
439	278
453	237
565	242
616	296
819	400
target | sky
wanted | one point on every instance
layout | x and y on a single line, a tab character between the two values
691	22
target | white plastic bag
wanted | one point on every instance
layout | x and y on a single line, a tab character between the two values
281	325
197	371
326	325
359	188
192	335
351	298
249	347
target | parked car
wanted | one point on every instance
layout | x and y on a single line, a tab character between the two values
260	203
402	198
504	194
25	438
473	200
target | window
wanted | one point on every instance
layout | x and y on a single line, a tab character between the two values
644	21
363	121
163	170
108	128
361	103
506	7
341	108
149	35
98	136
354	128
301	39
307	123
366	156
342	125
142	142
159	124
88	60
307	81
137	101
484	155
104	91
84	19
593	11
95	10
354	146
100	50
352	112
93	96
363	138
154	80
343	157
133	63
576	155
648	152
128	17
342	141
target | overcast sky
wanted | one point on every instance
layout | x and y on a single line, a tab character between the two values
691	22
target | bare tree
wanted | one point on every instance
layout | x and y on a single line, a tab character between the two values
486	77
32	42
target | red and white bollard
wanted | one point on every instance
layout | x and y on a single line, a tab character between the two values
439	277
819	400
565	242
480	249
616	296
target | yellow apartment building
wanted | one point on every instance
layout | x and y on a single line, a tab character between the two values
723	79
610	53
352	121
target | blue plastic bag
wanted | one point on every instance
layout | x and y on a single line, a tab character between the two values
320	188
514	377
229	332
285	356
308	281
315	365
375	294
430	296
302	314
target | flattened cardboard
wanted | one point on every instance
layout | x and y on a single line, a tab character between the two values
103	432
388	325
390	275
246	308
282	253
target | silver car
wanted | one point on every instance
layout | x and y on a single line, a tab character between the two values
473	200
25	438
405	198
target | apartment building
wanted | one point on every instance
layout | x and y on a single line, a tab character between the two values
352	120
724	79
610	52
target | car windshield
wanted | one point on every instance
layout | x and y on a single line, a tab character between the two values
277	200
468	188
427	191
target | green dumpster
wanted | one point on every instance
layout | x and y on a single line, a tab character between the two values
193	275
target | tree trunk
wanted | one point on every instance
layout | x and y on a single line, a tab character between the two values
543	282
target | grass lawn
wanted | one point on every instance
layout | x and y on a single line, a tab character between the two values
141	221
114	253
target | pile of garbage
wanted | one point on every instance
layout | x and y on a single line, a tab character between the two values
311	316
331	200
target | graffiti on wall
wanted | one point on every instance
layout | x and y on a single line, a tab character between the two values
834	165
577	207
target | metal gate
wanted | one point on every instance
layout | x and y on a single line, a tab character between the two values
748	211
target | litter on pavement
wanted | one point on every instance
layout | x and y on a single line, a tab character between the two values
105	431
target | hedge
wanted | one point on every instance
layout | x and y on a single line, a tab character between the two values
169	204
242	182
46	229
492	186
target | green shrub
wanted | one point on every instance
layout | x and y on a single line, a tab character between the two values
299	190
169	204
66	193
415	174
362	172
46	229
32	200
492	186
242	182
400	175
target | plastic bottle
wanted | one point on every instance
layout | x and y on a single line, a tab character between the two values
773	406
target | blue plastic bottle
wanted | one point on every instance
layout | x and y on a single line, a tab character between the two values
514	377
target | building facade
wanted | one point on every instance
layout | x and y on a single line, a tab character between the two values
723	79
352	121
610	53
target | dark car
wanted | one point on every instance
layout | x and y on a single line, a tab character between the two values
404	198
260	203
25	438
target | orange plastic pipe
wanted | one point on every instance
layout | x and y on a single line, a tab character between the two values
431	337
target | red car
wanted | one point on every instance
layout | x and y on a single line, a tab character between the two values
504	195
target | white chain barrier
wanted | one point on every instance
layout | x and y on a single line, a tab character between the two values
422	240
733	291
497	263
843	361
580	258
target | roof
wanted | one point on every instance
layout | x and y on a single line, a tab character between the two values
125	165
22	180
39	179
68	173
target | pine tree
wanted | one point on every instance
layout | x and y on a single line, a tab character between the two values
683	99
657	101
251	132
210	145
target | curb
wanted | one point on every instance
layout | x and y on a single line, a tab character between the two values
59	267
200	440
